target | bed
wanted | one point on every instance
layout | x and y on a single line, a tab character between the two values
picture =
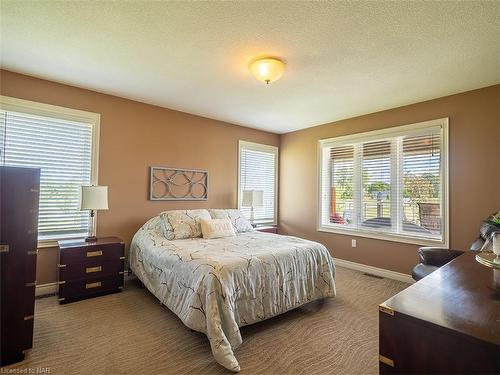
216	286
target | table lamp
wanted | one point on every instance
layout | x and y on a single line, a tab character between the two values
93	198
252	199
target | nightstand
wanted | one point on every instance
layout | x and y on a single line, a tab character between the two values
268	229
90	269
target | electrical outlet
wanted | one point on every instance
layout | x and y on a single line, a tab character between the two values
354	243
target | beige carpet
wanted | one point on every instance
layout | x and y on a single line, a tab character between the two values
131	333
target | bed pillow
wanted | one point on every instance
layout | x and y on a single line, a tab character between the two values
186	223
239	221
217	228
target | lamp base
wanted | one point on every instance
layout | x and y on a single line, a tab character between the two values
91	233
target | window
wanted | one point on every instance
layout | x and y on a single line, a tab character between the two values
389	184
63	143
258	170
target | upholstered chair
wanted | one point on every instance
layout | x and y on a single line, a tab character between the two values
431	258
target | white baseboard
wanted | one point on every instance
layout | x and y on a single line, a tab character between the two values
374	270
51	288
45	289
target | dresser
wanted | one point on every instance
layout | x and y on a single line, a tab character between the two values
90	269
19	195
448	322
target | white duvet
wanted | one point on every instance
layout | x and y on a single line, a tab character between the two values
216	286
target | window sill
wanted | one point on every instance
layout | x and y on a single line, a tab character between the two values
48	243
384	236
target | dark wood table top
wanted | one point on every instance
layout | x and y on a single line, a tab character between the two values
80	242
459	296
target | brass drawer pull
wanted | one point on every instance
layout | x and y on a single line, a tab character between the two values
93	269
386	360
122	258
93	285
32	252
29	317
61	265
4	248
97	253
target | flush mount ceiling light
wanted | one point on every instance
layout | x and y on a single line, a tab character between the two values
268	69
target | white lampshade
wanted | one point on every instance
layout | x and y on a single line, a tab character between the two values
94	198
253	198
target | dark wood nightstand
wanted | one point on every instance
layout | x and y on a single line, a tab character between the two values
90	269
268	229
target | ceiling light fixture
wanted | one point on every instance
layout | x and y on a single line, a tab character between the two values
268	69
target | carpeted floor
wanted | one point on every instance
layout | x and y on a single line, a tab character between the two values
131	333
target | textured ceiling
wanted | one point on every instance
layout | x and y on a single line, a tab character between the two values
343	58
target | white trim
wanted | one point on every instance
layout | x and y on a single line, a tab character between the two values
374	270
45	289
42	109
357	186
394	131
11	104
413	129
264	148
385	236
445	171
45	244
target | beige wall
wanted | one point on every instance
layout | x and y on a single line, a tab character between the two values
474	131
135	136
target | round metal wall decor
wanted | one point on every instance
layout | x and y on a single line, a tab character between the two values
178	184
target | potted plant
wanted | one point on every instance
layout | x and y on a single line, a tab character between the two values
490	228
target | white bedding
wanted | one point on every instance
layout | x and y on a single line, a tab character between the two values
216	286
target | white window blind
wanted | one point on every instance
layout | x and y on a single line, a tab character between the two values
258	165
63	150
387	184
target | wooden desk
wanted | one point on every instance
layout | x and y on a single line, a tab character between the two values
448	322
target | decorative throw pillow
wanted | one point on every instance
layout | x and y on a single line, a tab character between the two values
186	223
217	228
165	228
239	221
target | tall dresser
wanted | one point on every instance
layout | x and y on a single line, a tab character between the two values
19	195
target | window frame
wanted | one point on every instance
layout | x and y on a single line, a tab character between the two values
29	107
264	148
376	135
